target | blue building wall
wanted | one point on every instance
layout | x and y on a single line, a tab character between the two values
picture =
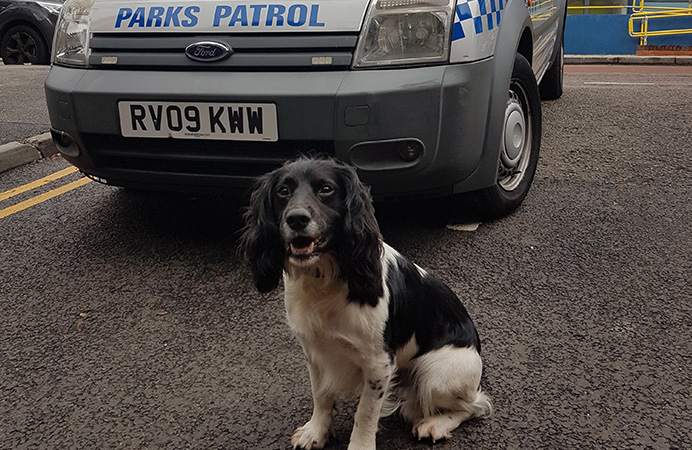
606	34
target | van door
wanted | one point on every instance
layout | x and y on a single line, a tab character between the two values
545	18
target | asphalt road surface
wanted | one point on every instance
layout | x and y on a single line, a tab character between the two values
23	112
128	321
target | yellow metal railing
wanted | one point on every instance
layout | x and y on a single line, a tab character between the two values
646	13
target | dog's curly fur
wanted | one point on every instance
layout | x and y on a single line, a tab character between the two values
364	315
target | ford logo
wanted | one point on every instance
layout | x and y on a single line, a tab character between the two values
207	51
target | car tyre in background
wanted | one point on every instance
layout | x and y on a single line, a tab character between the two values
519	147
23	44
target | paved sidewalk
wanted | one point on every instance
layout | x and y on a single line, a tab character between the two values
629	59
15	154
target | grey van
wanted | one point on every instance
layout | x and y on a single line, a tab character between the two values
426	98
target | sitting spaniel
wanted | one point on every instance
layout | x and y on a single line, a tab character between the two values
370	321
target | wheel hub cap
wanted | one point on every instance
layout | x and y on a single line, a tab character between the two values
514	136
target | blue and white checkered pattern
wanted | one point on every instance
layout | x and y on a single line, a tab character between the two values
476	16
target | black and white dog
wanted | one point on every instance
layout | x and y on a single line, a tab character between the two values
370	321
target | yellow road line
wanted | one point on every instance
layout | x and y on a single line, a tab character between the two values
43	197
38	183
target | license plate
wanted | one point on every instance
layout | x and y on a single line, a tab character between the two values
223	121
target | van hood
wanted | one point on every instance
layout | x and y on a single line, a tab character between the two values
204	16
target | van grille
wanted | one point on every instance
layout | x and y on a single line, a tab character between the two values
249	51
199	157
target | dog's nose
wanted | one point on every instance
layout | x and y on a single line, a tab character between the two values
298	219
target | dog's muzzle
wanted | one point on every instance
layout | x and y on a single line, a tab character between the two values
304	243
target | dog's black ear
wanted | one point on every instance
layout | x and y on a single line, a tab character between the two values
260	242
361	250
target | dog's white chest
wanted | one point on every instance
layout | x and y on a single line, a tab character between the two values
315	310
326	322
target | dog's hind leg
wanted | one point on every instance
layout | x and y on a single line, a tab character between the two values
447	385
439	426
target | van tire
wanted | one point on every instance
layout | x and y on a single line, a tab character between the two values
519	148
552	83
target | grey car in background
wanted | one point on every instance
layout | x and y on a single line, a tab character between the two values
26	30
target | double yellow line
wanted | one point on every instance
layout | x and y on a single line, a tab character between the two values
42	197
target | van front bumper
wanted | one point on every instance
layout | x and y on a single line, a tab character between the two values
410	132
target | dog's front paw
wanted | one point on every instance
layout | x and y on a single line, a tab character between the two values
310	436
352	446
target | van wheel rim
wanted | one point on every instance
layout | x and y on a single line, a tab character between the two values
516	138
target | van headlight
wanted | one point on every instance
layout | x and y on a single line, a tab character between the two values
71	41
398	32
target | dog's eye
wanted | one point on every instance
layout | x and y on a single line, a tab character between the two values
326	189
283	191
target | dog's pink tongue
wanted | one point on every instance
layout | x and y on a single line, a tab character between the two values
307	249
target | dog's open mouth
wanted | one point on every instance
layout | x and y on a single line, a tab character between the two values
305	247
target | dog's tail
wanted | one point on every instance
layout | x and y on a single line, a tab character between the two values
482	406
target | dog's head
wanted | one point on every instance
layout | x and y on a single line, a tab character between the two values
309	208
